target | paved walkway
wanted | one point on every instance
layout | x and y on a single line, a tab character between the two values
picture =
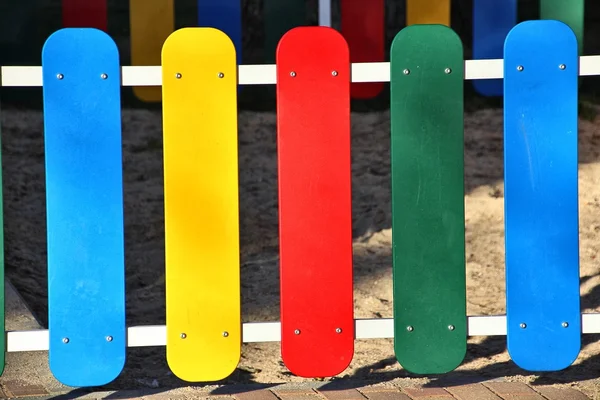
479	391
27	376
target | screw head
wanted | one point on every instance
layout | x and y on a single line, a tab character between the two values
297	332
60	76
448	71
225	334
523	325
292	74
103	76
334	73
565	324
221	75
109	338
562	66
183	336
519	68
65	340
406	71
450	327
178	75
409	328
338	330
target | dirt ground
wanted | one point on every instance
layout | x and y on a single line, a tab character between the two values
22	151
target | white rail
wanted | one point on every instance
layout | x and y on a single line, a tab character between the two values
255	332
266	74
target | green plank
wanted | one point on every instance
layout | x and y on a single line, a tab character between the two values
2	304
428	229
570	12
280	16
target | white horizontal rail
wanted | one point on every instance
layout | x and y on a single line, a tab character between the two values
255	332
266	74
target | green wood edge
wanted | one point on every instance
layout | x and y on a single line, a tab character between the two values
570	12
2	270
416	353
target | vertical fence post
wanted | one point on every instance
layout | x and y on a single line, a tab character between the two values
428	217
202	277
570	12
419	12
280	16
226	16
85	14
151	22
325	13
541	195
363	26
2	271
492	20
84	206
315	213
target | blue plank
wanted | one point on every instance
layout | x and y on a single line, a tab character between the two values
492	20
86	271
541	195
225	15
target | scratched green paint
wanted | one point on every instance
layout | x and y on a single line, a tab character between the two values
428	233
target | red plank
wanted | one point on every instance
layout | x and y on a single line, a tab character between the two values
363	26
315	216
85	14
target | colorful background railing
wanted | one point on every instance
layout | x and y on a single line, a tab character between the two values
148	23
85	13
151	21
492	20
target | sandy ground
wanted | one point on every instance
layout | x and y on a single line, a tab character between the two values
374	360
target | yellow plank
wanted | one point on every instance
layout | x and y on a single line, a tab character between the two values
151	22
428	12
201	204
